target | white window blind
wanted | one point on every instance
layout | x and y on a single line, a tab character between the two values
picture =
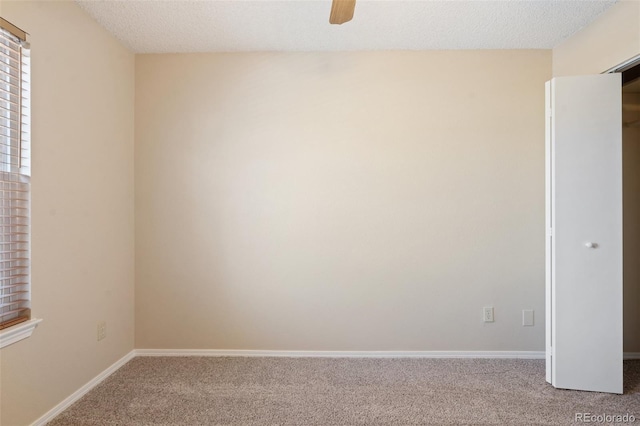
15	176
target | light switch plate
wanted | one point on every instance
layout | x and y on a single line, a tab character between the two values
527	317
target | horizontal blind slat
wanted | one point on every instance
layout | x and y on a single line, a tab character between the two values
14	285
15	293
13	303
9	53
7	43
4	314
10	277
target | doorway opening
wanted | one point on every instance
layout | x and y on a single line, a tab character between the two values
631	207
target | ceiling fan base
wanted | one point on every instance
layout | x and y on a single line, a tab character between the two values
342	11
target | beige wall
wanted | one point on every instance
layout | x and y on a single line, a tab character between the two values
610	40
631	213
83	93
340	201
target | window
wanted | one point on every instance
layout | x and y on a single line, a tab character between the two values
15	177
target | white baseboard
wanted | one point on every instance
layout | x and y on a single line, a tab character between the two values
49	415
631	355
342	354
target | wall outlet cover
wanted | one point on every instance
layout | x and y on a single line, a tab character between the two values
102	330
487	314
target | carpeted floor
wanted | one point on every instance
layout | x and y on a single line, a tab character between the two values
343	391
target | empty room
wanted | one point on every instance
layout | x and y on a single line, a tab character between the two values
319	212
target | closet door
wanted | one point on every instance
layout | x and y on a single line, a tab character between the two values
584	233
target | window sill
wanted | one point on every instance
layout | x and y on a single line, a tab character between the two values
18	332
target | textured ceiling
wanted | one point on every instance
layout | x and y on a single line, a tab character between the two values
148	26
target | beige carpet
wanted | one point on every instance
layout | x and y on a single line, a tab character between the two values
321	391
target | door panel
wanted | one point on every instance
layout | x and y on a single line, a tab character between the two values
584	242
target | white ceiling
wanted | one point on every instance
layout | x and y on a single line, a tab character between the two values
148	26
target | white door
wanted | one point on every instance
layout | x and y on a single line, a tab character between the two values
584	233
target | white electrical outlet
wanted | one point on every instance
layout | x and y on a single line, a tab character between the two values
487	314
102	330
527	317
